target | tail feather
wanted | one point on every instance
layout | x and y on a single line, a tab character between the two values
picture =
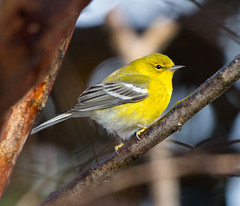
53	121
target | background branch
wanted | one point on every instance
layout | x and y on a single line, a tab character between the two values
130	45
211	89
158	171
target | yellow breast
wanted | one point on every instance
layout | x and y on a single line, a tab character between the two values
124	119
148	110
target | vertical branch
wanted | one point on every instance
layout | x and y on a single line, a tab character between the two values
31	32
34	56
19	121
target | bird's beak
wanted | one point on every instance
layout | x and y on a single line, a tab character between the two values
175	68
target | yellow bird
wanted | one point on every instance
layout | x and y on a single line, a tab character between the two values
129	100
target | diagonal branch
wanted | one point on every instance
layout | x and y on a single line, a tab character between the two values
32	43
211	89
31	32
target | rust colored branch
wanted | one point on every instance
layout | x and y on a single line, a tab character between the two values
36	40
31	32
84	185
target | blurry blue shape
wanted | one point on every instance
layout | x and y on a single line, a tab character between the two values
94	14
233	95
233	192
140	13
237	84
235	132
104	69
228	42
199	127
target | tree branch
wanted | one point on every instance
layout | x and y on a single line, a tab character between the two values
211	89
36	43
30	34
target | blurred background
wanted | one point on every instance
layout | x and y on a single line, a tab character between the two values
203	35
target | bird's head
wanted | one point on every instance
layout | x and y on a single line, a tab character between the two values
159	63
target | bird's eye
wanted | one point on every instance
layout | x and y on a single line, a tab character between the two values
158	66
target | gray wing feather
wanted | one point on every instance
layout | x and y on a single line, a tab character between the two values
53	121
111	94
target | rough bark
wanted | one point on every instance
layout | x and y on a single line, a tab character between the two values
32	43
31	32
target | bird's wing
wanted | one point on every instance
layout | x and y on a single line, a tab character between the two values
109	94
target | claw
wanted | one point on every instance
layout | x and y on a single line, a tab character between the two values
179	127
137	135
117	147
142	129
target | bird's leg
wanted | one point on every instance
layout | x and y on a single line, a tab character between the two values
177	104
117	147
121	144
142	129
180	101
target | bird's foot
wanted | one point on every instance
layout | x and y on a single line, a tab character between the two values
117	147
142	129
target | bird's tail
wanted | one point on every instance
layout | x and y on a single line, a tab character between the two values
53	121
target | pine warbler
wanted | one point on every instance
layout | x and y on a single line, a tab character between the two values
128	100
